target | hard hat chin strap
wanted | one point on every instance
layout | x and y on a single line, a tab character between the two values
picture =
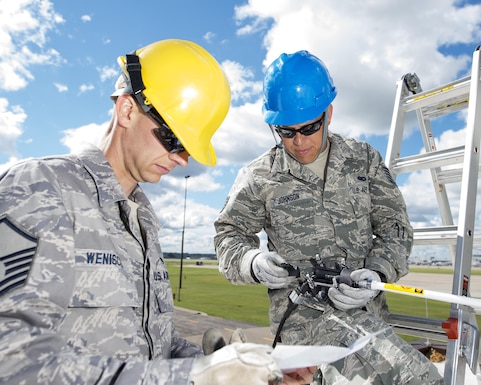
134	68
278	142
324	129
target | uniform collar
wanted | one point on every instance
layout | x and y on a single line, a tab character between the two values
97	165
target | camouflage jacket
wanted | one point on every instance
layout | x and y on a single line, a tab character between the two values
357	215
85	297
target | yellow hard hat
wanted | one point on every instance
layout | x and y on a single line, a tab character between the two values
186	86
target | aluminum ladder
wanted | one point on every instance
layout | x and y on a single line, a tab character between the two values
452	165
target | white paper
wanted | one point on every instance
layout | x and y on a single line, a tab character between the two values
291	357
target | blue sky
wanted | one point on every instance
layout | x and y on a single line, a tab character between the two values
58	67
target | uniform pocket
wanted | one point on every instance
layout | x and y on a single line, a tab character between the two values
291	211
103	282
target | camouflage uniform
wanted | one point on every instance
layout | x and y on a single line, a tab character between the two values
85	296
357	216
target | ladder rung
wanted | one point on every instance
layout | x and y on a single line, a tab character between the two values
438	98
428	160
453	175
448	107
420	327
442	235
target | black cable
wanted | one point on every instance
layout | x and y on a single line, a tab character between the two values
289	310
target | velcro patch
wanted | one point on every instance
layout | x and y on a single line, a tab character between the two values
16	256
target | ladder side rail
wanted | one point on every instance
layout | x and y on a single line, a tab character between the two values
439	188
397	126
455	359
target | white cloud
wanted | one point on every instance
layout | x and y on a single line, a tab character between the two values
209	37
11	120
107	73
77	138
11	161
243	136
24	26
243	86
199	219
60	87
86	18
85	87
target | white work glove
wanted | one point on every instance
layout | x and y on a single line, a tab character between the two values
237	364
266	267
345	297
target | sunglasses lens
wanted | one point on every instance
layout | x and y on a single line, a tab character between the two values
286	133
167	138
310	129
164	134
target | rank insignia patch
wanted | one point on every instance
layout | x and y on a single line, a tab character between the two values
16	256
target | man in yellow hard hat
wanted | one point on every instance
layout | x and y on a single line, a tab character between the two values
85	296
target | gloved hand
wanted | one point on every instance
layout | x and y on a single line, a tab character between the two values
237	364
266	268
345	297
213	339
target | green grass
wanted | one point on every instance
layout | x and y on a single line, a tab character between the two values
206	290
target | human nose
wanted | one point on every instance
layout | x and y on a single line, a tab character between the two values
298	138
180	158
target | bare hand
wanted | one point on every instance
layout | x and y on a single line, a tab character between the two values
301	376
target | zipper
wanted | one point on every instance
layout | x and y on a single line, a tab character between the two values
146	308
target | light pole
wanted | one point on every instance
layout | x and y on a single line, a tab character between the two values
182	245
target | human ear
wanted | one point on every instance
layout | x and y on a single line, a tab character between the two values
124	107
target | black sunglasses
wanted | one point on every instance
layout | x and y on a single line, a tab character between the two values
306	130
164	134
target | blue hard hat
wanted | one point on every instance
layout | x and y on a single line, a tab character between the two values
297	88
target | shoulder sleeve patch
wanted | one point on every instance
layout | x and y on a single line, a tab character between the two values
388	175
16	255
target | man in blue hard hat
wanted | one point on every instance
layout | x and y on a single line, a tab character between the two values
323	200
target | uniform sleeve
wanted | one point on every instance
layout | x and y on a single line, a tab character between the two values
182	348
236	241
36	283
393	233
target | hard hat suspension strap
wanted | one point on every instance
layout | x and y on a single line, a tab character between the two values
133	68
